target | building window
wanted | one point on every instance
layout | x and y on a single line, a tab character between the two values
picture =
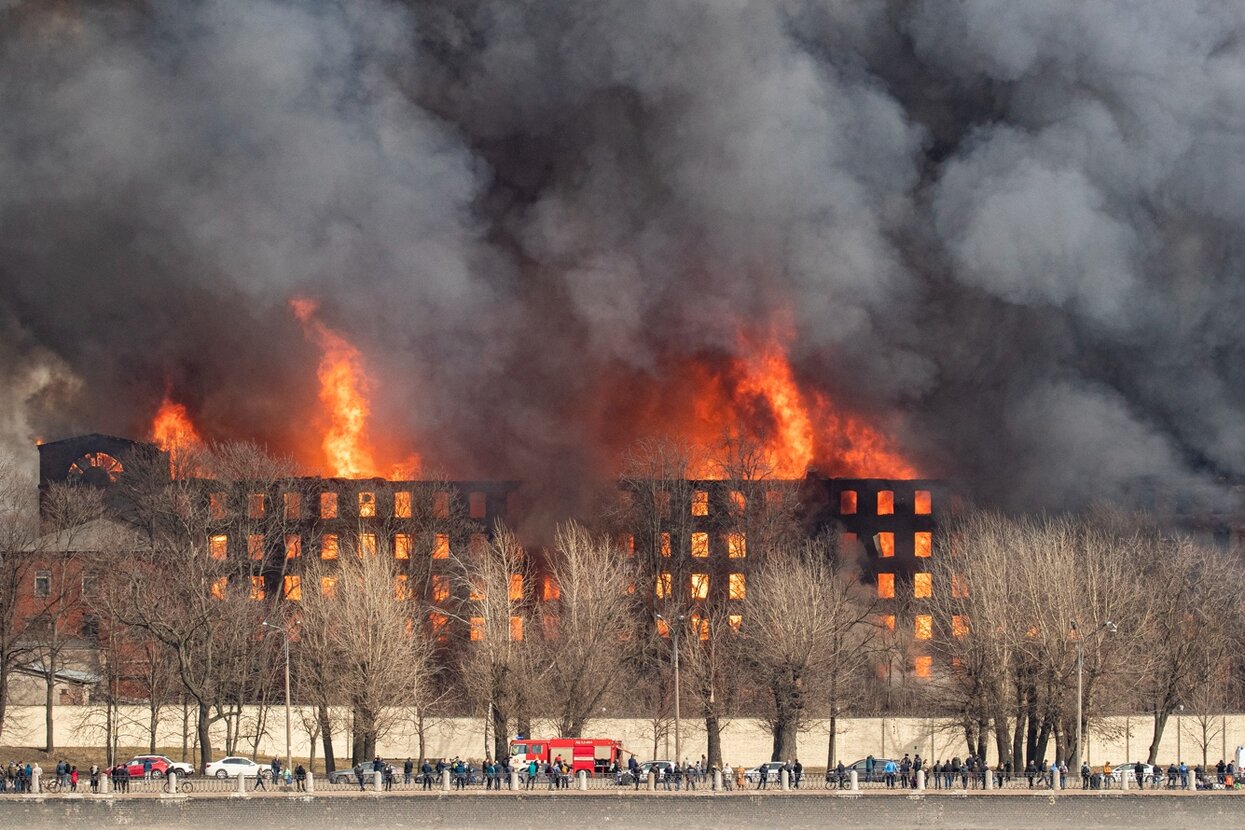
255	505
736	545
218	546
477	629
219	586
663	628
663	585
888	622
924	666
293	546
735	621
328	586
959	625
665	544
43	583
402	505
516	587
922	586
886	544
401	546
923	543
629	545
959	587
90	584
441	546
922	503
255	546
738	586
886	502
440	588
700	545
700	586
477	544
516	629
257	588
550	591
477	505
437	622
886	586
402	588
216	505
847	502
367	545
849	541
923	626
701	626
367	505
89	629
739	503
293	505
292	587
328	505
441	504
328	546
700	503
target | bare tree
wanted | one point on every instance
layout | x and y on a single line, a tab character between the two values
494	581
360	615
806	614
585	626
18	531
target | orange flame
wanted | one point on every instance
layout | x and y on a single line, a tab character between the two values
344	389
758	396
173	431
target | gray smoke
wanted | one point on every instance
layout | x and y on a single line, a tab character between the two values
1010	233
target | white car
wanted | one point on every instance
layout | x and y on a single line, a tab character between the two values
233	766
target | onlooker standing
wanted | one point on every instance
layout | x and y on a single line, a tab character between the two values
300	778
94	778
407	769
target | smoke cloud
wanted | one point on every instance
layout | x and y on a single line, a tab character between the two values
1010	234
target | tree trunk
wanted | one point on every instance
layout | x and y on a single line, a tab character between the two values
4	693
831	748
1043	738
205	735
1018	740
1002	741
153	724
787	705
326	737
713	735
1160	723
501	745
48	717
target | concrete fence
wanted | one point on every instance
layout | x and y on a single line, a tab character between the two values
744	740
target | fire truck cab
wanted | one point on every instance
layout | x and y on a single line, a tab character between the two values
593	755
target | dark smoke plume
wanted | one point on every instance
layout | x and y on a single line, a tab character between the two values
1010	231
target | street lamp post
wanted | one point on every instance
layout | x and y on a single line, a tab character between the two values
674	635
1080	671
289	728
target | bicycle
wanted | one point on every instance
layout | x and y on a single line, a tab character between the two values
182	787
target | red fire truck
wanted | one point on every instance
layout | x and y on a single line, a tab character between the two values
595	755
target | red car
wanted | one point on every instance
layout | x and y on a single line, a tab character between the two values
160	766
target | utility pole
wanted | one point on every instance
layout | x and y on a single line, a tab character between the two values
674	635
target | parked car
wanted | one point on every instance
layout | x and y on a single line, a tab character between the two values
160	766
234	765
1137	774
658	768
346	775
769	769
879	764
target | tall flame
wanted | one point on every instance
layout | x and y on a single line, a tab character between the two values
757	395
344	389
173	431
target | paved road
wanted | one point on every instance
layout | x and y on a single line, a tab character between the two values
746	812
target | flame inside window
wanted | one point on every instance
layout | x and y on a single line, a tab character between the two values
738	586
402	504
328	546
922	543
700	545
700	503
219	586
886	544
736	545
847	502
402	546
665	544
663	585
219	546
922	503
922	585
367	505
477	629
700	586
516	587
293	546
886	586
328	505
440	588
257	588
886	502
516	629
923	665
441	546
959	625
923	626
292	587
328	586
